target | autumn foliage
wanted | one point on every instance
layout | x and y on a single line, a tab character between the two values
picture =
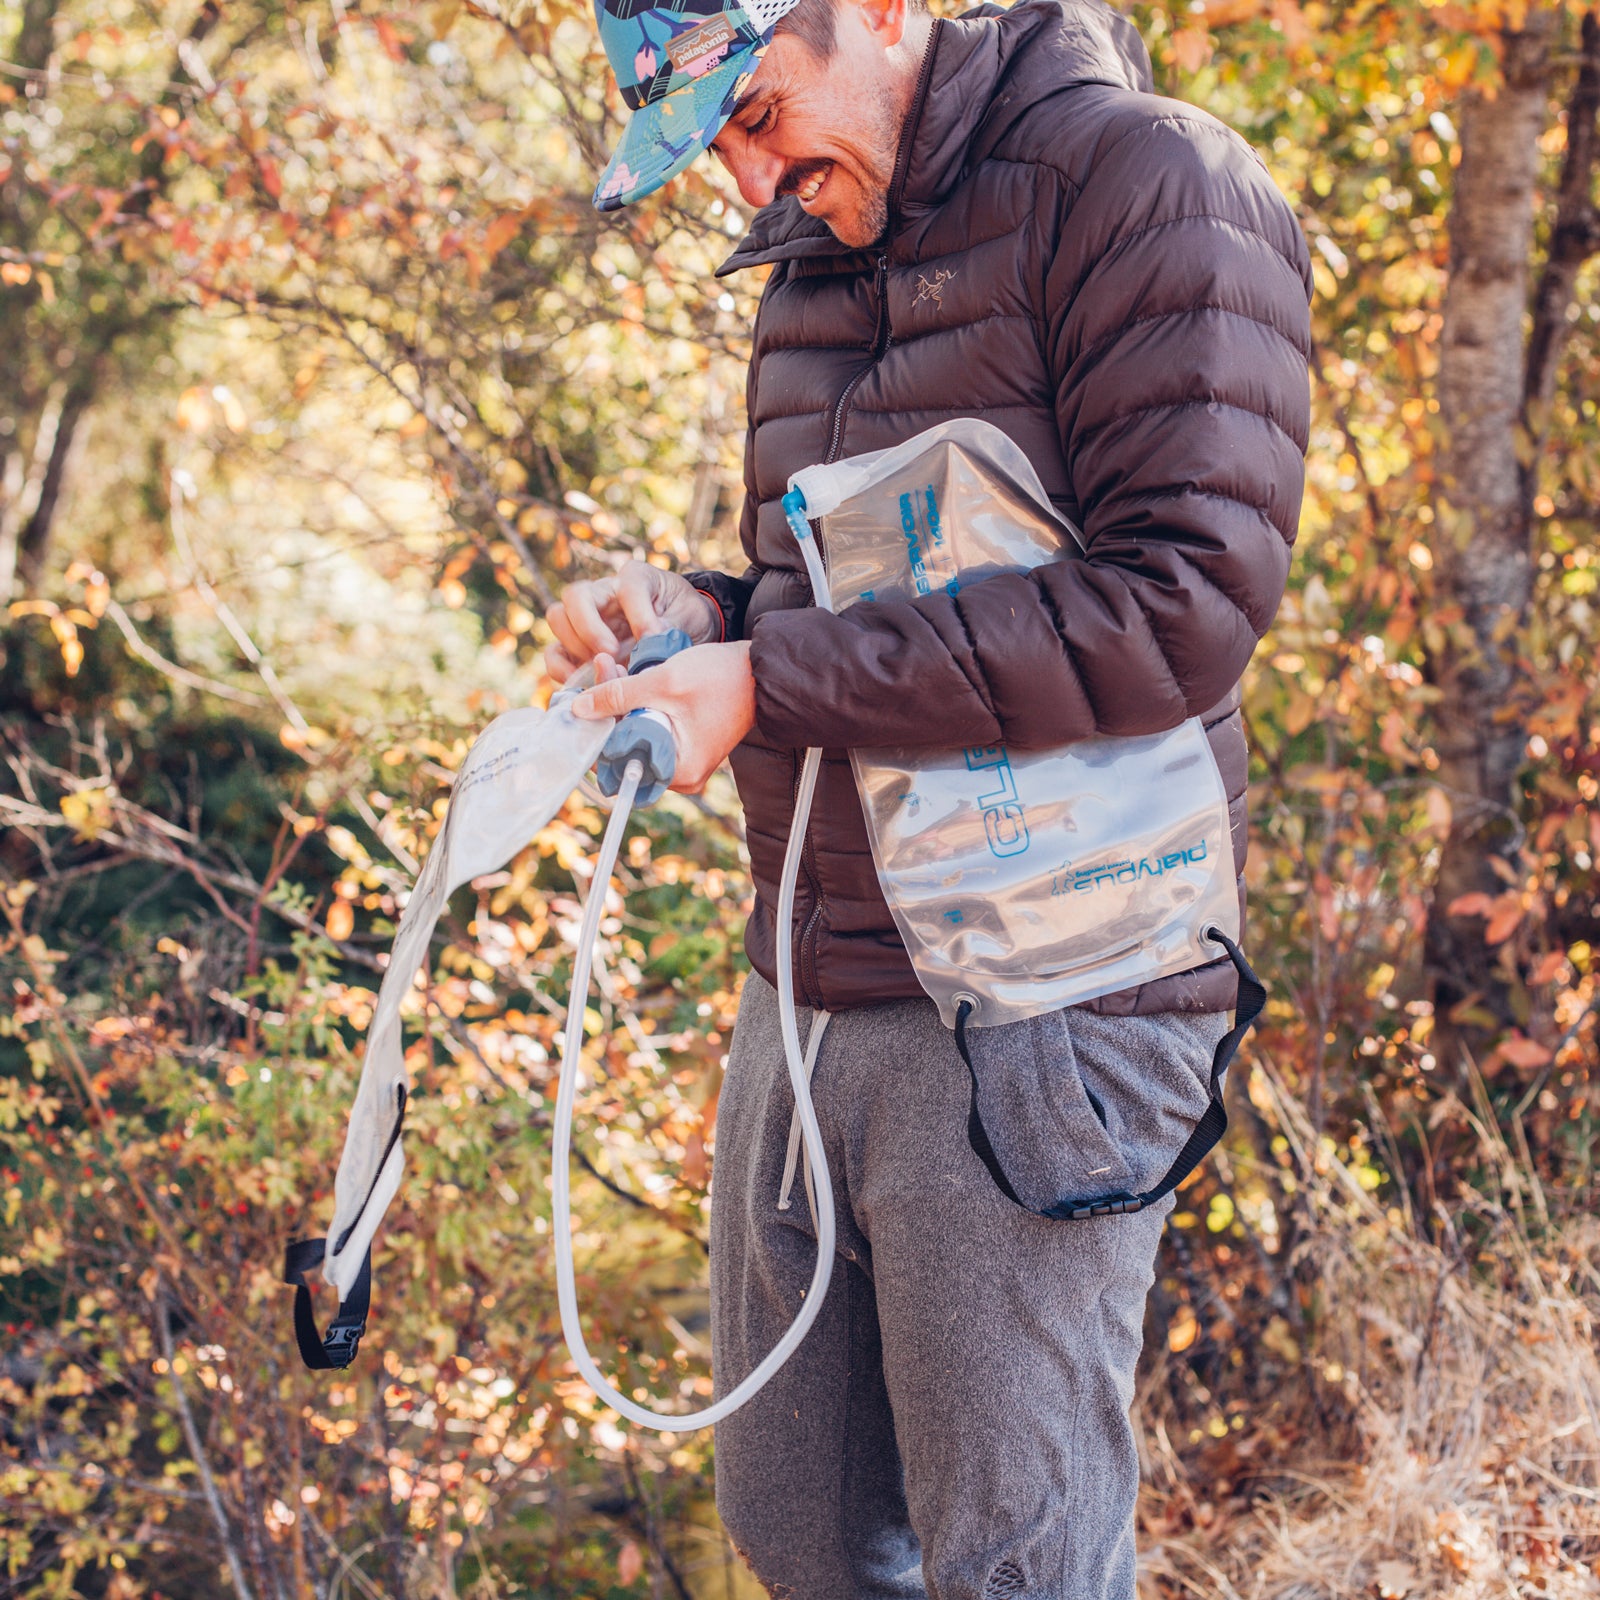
320	377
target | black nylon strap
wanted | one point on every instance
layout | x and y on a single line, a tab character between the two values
338	1346
1204	1136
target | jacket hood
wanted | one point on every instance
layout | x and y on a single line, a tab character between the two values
983	72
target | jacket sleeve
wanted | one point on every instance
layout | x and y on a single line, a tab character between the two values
1176	327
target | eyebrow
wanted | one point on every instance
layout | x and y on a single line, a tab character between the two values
747	99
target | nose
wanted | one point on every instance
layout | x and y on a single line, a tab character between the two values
757	172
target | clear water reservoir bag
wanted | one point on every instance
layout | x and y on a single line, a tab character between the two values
1020	880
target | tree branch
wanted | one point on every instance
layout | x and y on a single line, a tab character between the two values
197	1451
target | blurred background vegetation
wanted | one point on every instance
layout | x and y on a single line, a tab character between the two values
318	377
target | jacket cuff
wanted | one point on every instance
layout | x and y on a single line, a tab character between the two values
729	595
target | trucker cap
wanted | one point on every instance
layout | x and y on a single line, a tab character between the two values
681	67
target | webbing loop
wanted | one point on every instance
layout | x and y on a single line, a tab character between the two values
1202	1139
337	1347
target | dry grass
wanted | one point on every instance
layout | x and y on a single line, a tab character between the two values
1465	1462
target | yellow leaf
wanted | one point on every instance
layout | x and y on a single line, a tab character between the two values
341	921
232	411
88	810
1183	1331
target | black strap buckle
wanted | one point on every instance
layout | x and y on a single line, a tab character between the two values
1207	1131
338	1346
1117	1205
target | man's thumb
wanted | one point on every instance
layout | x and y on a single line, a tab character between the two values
608	700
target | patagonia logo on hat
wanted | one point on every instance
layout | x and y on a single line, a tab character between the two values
708	39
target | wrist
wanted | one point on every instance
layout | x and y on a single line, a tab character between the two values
712	628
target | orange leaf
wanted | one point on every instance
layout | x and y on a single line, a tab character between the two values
630	1563
1219	13
389	39
1525	1053
1504	922
694	1169
501	232
1296	30
1191	48
1548	969
194	410
1470	905
271	178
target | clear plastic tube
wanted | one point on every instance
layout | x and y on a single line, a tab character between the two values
571	1065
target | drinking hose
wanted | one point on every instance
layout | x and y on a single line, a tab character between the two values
632	776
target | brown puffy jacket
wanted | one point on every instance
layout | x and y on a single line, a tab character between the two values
1111	278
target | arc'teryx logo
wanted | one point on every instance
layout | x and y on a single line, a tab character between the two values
1003	821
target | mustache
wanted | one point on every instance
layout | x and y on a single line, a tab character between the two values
797	177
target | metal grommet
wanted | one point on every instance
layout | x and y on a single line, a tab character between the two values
962	998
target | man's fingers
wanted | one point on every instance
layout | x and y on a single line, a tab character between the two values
636	595
558	663
583	618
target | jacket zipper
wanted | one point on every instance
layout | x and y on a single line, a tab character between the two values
808	858
882	337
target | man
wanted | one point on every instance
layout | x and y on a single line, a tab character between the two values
990	217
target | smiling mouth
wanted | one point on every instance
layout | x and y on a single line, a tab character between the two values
812	187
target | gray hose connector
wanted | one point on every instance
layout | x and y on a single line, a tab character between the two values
643	736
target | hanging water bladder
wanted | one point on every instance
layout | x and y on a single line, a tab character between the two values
512	783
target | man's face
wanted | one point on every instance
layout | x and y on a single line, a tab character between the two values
824	131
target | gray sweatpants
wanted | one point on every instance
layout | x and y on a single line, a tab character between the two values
956	1423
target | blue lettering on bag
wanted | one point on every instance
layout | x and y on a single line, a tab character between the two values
1085	880
908	526
1003	822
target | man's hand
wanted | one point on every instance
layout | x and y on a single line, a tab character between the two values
708	694
603	615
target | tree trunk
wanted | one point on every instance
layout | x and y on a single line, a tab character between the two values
1482	553
33	542
35	39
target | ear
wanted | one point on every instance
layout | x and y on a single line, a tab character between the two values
885	20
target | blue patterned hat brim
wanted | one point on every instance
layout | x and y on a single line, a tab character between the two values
663	138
